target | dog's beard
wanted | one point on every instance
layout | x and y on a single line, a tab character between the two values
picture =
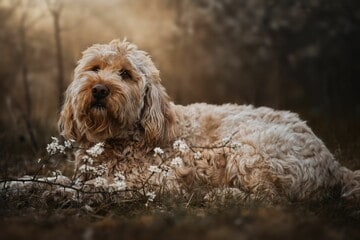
99	121
95	119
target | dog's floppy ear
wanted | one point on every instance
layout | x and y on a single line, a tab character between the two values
66	123
157	116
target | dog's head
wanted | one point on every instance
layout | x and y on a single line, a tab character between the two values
116	90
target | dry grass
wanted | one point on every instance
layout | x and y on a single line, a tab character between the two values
171	219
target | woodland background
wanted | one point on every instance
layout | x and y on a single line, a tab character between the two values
298	55
294	55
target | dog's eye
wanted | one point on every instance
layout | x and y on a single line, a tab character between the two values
95	68
124	74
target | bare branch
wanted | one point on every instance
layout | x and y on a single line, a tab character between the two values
81	190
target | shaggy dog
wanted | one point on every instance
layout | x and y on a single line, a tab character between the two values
116	99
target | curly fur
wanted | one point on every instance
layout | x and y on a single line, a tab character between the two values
269	154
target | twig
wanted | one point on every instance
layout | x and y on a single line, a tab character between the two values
219	146
79	190
188	203
163	160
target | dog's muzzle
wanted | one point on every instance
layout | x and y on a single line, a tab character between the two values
99	93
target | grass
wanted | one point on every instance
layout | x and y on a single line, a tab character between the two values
326	220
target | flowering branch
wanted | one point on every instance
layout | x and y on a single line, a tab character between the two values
100	183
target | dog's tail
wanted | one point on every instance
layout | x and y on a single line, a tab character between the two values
350	184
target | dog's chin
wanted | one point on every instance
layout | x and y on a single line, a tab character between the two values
99	123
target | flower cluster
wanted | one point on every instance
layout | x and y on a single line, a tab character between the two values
181	146
100	182
158	151
151	196
86	168
197	155
96	150
101	169
163	169
88	160
119	183
154	169
68	143
177	162
55	146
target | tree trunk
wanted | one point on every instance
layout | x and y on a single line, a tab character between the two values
25	79
59	58
24	68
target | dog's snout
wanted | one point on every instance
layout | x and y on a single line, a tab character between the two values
100	91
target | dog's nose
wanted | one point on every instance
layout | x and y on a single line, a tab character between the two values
100	91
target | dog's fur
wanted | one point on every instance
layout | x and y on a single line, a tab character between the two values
258	151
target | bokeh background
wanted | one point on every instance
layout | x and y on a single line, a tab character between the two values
298	55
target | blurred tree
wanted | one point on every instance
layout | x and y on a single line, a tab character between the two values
318	44
7	34
23	59
20	14
55	7
285	54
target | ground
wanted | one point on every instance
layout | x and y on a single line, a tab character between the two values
326	220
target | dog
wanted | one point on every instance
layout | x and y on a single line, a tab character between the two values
131	134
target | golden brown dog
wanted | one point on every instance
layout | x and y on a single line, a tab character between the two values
116	99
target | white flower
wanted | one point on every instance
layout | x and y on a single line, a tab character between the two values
197	155
100	182
119	176
101	169
181	146
151	196
96	150
54	147
78	183
87	159
119	186
119	182
68	143
177	162
158	151
154	169
87	169
39	160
